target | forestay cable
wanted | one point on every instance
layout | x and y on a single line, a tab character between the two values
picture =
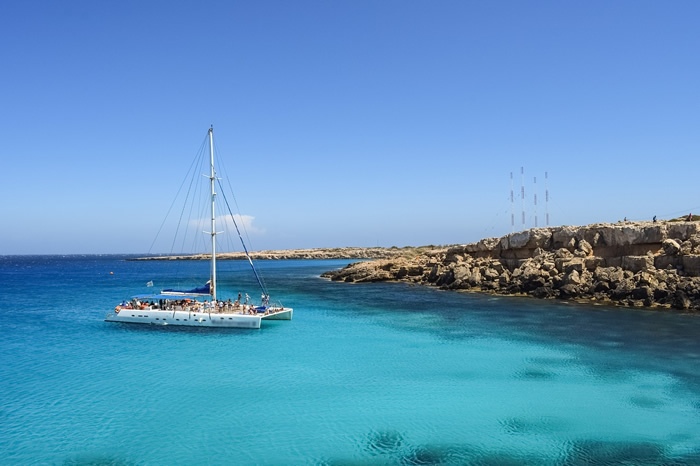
250	261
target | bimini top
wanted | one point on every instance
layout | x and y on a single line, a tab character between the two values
168	296
200	291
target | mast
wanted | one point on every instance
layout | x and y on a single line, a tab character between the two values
213	216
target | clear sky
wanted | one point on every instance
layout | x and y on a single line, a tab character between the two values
345	123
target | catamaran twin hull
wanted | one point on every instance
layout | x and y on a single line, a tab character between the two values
197	319
184	311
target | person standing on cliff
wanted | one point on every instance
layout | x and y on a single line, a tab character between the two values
654	219
690	217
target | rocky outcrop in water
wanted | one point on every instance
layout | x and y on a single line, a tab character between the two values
636	264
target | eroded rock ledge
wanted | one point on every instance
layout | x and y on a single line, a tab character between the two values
635	264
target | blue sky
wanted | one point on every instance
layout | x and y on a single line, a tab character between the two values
345	123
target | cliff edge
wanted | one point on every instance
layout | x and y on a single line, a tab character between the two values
630	263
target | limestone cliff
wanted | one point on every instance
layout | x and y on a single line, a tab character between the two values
637	264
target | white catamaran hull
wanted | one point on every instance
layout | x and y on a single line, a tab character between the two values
182	308
196	319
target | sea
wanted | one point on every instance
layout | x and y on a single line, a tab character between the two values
377	373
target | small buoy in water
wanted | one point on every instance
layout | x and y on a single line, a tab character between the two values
111	273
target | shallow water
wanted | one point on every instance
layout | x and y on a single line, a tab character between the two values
364	374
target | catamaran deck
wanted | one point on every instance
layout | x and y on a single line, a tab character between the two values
195	314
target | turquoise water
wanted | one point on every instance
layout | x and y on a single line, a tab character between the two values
364	374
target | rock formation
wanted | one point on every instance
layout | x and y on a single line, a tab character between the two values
635	264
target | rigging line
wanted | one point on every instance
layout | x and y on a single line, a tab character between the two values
198	157
189	189
250	261
259	275
235	201
174	200
228	180
196	195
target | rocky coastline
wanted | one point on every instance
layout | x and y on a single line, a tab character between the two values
644	264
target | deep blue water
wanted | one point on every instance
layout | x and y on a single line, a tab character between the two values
364	374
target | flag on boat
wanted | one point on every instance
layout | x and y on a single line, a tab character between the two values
150	283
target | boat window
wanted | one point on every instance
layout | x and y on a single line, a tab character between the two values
177	320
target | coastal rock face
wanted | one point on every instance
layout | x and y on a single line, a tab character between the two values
635	264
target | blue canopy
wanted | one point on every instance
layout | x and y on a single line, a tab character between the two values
167	296
200	291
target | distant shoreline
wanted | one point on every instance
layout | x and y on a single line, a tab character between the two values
306	254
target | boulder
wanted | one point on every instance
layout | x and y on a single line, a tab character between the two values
569	291
564	237
691	265
585	247
592	263
567	265
544	292
671	247
487	244
647	279
601	287
573	277
643	293
682	230
475	278
680	300
637	263
460	273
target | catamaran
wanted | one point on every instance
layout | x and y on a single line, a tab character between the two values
200	306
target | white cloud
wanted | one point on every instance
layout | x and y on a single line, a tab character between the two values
245	223
223	222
